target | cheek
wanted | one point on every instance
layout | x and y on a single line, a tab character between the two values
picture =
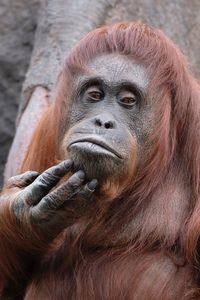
84	112
78	113
143	125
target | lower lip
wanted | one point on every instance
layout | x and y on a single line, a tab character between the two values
89	147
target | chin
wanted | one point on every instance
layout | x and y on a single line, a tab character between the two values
96	165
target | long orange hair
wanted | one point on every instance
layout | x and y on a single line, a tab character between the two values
175	143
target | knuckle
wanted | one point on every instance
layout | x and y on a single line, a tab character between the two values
11	180
61	192
14	181
22	180
43	181
29	177
38	215
30	174
18	206
43	178
57	171
34	215
70	185
29	196
74	182
85	193
71	189
49	202
62	168
48	178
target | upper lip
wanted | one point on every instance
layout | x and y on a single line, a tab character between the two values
98	142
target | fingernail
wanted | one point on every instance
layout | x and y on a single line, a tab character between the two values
80	174
93	184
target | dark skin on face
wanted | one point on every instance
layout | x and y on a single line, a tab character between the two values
109	117
108	126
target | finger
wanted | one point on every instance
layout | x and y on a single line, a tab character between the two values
89	188
46	181
56	198
92	185
22	180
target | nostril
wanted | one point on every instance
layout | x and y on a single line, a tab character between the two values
108	125
104	124
98	122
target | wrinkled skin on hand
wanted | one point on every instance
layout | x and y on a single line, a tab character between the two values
44	207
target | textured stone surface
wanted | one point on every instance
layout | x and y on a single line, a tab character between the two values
63	22
17	26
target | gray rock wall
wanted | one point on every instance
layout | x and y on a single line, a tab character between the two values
18	21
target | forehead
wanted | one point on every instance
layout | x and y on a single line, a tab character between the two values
116	68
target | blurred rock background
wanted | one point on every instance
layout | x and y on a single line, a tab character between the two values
35	36
18	21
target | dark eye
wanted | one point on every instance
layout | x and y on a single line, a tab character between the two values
128	101
94	95
128	98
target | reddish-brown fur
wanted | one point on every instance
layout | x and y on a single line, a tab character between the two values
142	244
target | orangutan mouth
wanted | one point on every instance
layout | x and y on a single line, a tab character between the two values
94	146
